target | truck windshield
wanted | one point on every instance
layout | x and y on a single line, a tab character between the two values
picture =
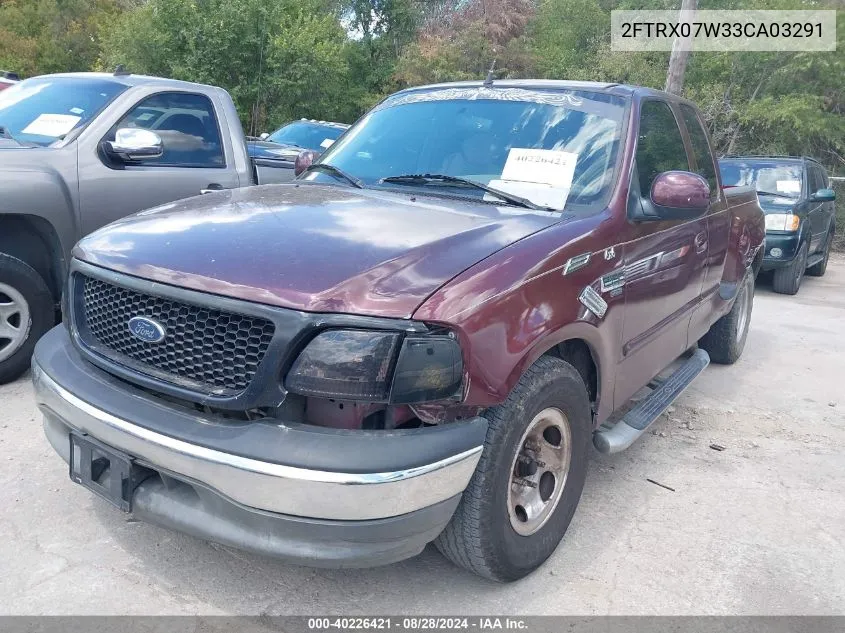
306	135
551	148
43	110
770	177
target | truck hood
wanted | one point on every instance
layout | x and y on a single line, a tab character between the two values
311	247
771	204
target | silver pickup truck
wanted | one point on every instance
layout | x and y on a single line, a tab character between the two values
80	150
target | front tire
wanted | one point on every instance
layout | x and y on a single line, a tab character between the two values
529	479
787	280
726	338
26	313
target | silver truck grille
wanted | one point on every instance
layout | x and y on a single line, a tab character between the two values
203	348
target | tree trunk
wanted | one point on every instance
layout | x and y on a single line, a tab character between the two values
680	54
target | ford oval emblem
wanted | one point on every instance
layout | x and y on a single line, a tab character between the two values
147	330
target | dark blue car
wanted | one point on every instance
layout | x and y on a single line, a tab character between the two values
796	197
285	143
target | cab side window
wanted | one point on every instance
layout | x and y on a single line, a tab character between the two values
817	179
660	146
700	147
187	127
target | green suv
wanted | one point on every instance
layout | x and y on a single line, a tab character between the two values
796	197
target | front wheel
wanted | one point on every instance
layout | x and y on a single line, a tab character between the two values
26	312
787	280
725	339
529	479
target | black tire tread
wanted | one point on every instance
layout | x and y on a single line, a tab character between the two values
720	341
461	541
784	281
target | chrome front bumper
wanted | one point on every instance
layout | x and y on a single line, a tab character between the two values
250	482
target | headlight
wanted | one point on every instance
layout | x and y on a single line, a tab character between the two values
376	366
782	222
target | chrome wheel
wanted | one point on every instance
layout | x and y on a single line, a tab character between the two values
14	321
539	470
745	298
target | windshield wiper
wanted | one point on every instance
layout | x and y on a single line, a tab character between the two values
424	179
773	193
335	171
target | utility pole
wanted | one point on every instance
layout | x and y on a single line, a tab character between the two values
680	51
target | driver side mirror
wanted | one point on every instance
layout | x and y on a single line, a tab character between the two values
824	195
263	135
134	144
678	195
303	161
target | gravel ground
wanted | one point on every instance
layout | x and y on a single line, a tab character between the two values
755	529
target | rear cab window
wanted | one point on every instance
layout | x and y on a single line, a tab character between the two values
704	165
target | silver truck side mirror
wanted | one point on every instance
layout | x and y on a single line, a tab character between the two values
135	143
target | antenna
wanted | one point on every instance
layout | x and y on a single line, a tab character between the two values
257	105
488	83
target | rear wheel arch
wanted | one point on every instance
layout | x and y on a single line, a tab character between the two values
34	241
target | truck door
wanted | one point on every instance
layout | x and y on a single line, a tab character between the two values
718	221
664	260
194	159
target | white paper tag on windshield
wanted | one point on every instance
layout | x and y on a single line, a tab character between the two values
789	186
538	193
545	166
327	143
51	125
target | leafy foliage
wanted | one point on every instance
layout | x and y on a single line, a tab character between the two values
332	59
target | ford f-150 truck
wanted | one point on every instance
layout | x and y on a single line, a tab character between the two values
80	150
414	341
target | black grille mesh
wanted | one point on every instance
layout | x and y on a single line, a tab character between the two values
220	350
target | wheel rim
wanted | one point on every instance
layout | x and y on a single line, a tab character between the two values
744	299
539	470
14	321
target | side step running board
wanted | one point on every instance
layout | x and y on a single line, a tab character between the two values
812	260
625	432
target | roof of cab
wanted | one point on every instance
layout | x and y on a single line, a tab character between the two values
552	84
128	79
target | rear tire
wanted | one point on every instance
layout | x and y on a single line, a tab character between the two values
726	338
818	270
482	536
26	313
787	280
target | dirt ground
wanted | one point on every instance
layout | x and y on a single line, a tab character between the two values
755	529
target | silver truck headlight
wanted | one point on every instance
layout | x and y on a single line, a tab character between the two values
782	222
373	366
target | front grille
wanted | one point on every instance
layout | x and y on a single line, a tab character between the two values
203	348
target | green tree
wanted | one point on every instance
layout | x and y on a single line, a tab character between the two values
47	36
279	59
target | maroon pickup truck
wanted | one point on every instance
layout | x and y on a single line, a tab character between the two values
418	340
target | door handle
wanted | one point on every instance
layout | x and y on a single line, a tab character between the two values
211	188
